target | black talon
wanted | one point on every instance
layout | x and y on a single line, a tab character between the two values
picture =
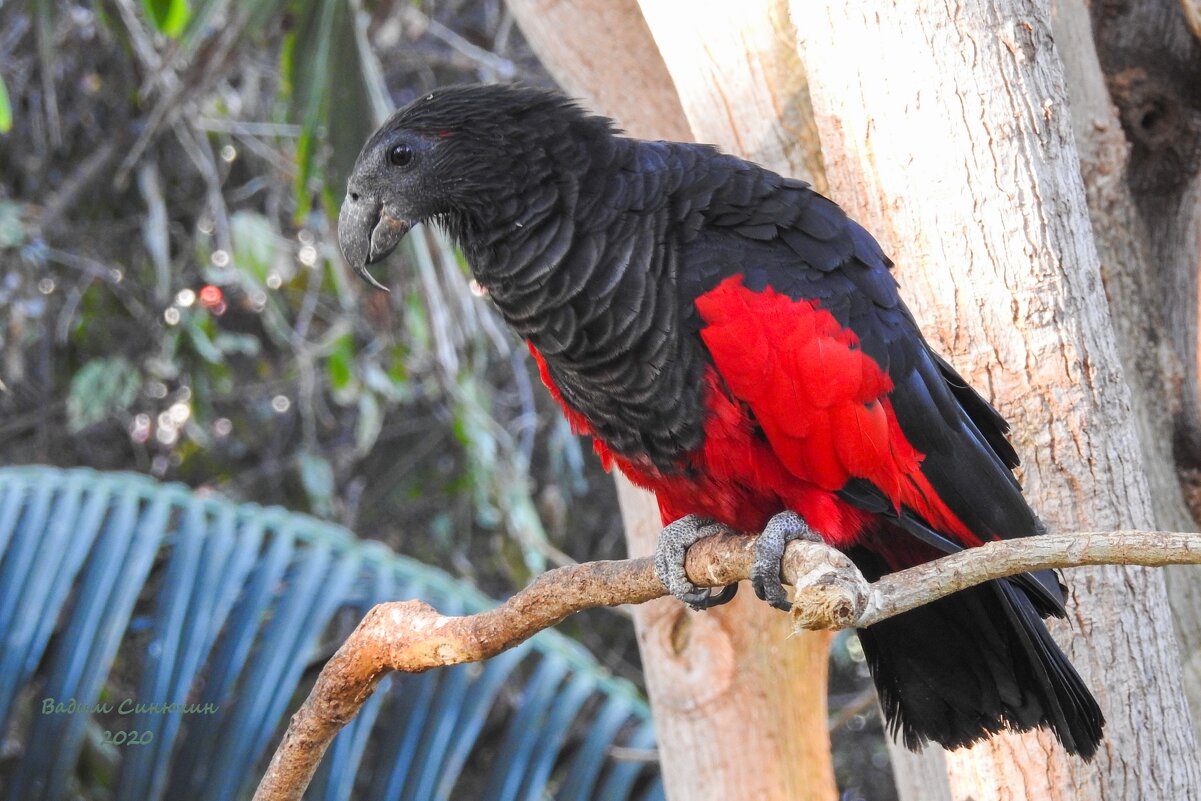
706	598
724	596
769	552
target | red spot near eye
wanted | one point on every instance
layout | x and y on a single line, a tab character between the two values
445	134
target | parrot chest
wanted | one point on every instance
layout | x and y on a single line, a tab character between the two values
642	414
731	475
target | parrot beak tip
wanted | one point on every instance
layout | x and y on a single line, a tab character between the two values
367	233
370	279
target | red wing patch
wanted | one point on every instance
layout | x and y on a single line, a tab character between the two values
821	401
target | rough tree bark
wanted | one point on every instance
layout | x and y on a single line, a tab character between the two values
960	158
1152	65
740	80
1151	59
739	701
1125	256
1143	293
601	50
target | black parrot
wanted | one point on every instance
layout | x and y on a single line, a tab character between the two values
734	343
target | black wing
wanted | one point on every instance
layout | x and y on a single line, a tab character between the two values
778	232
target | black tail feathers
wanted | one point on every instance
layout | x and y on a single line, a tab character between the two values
976	663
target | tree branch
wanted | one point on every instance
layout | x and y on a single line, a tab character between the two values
830	593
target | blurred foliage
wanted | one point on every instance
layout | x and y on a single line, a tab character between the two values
173	302
6	109
169	17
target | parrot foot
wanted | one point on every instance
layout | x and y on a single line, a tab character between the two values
670	551
769	552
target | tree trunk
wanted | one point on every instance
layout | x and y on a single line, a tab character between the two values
920	776
1151	61
739	702
740	80
1152	65
1138	295
625	78
949	138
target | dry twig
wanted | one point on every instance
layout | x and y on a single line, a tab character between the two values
830	593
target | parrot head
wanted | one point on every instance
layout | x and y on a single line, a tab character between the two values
463	156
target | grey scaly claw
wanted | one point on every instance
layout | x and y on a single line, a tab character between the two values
769	552
674	541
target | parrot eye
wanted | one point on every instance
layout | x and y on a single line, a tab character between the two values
400	155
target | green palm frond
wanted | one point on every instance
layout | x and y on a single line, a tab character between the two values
207	621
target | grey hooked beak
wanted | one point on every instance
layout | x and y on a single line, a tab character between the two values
367	232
